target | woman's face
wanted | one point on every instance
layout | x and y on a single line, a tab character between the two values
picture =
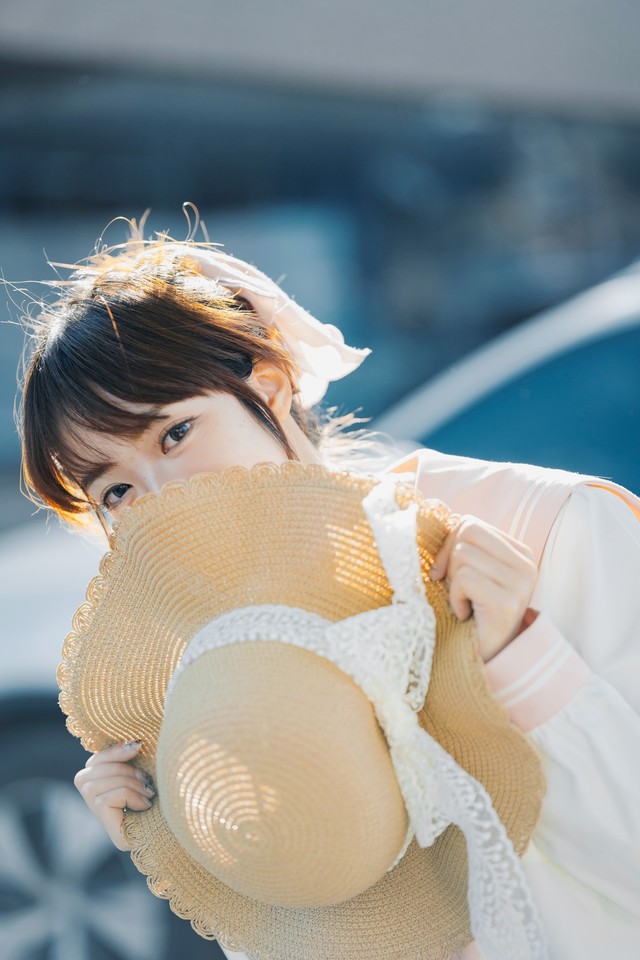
207	433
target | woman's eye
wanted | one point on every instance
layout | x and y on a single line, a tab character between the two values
175	434
114	495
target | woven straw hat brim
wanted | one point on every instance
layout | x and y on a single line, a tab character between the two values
290	535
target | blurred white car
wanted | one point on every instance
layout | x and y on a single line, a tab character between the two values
561	390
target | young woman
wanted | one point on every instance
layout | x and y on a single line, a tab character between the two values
163	359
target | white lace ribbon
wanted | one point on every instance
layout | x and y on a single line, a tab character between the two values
388	652
318	349
504	918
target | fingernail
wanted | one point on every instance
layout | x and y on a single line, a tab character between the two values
434	573
150	792
133	744
149	781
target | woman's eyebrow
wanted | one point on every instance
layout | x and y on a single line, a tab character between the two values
86	479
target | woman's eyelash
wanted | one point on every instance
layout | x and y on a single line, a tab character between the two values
176	426
106	494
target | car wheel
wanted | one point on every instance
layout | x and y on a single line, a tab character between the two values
66	893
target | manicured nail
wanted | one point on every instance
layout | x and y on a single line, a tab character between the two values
133	744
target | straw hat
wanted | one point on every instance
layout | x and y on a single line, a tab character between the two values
315	717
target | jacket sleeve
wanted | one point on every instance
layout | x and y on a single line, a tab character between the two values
571	682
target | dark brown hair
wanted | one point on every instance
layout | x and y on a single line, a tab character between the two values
133	328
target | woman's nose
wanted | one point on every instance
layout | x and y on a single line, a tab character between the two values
156	475
149	480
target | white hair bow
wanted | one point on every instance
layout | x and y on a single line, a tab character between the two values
318	349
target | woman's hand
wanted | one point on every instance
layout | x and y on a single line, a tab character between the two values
490	574
108	783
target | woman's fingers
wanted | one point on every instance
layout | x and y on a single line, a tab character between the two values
109	783
508	573
119	797
96	771
109	809
483	535
490	599
490	574
119	752
92	789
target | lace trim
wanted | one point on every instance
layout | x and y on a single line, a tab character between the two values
505	920
395	530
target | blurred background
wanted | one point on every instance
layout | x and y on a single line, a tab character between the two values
456	186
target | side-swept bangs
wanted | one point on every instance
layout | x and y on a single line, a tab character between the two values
109	359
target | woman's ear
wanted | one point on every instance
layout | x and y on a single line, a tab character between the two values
274	386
